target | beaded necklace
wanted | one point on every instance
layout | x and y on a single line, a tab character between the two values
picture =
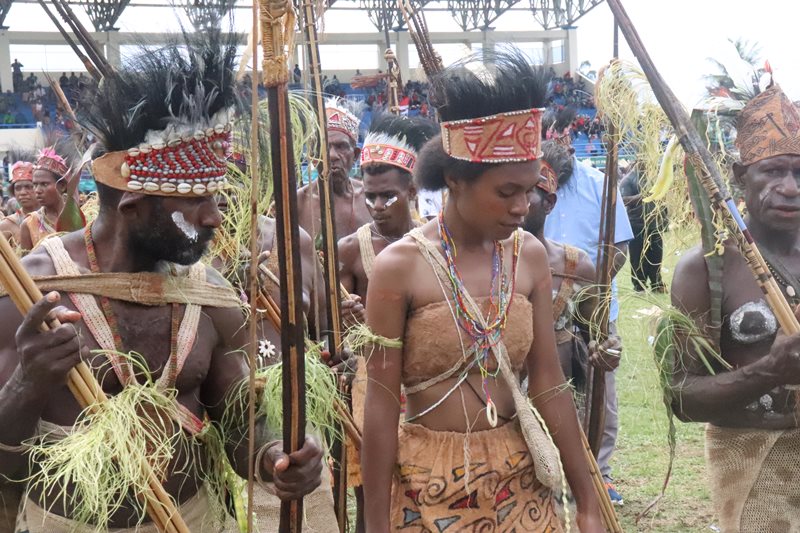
122	367
484	333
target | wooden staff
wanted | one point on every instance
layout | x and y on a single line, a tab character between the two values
330	262
87	64
277	21
81	382
606	507
252	345
595	415
709	174
393	70
429	58
84	37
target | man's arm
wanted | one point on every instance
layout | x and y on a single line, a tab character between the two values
294	475
622	234
721	398
33	364
314	281
348	255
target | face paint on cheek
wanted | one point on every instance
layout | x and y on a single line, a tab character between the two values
389	203
186	228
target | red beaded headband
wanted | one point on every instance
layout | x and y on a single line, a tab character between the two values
389	155
502	138
548	180
194	165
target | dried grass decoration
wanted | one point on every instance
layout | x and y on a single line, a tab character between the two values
321	388
231	241
104	460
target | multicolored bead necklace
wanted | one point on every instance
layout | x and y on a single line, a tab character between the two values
484	333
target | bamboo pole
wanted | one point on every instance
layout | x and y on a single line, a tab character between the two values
277	21
709	174
252	345
606	507
595	422
87	391
330	267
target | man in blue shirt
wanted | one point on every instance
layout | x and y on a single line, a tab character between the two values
575	220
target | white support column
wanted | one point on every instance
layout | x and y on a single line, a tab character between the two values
401	52
6	80
113	55
548	53
571	56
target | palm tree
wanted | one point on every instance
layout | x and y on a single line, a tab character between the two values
722	82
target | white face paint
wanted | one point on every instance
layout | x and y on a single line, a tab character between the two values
188	229
389	202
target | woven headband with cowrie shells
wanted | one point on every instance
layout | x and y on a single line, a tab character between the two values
187	165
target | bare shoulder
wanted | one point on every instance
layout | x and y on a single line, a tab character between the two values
396	262
532	251
358	186
39	263
348	248
690	282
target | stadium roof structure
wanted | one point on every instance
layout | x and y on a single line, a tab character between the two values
384	15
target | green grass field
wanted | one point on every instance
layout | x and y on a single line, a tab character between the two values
641	458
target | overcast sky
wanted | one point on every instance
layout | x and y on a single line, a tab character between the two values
680	34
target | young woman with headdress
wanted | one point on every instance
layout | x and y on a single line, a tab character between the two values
457	308
48	186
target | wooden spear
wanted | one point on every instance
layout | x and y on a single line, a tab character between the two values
708	173
90	68
595	421
277	21
330	262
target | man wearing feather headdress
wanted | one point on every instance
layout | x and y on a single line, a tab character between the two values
349	208
745	393
170	344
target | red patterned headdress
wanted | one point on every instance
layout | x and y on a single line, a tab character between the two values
508	137
548	180
49	160
384	149
21	171
341	119
179	161
768	126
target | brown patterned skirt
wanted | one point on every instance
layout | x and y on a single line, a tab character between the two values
487	485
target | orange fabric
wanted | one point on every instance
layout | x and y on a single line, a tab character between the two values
500	138
431	345
431	491
768	126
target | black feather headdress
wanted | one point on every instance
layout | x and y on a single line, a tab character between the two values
177	89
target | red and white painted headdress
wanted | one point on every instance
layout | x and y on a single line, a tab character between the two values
383	149
181	160
49	160
21	171
341	119
508	137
